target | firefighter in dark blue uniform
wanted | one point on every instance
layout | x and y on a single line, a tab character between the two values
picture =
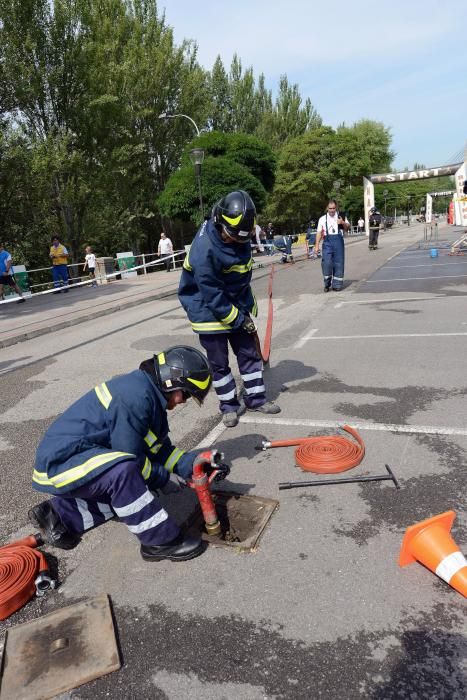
216	294
284	245
331	228
108	452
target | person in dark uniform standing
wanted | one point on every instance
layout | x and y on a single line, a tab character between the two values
331	228
216	294
375	221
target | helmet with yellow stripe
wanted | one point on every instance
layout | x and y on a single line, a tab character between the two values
236	213
183	368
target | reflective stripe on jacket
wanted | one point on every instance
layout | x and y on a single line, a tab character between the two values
122	419
215	286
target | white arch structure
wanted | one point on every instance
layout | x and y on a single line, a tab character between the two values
459	170
429	202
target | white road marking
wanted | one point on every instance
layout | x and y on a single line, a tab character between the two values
384	335
212	437
407	267
378	427
388	301
308	334
411	279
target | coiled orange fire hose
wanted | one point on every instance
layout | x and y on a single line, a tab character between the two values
327	454
23	572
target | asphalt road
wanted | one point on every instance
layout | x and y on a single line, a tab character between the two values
321	609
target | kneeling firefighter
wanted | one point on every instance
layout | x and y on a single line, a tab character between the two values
284	245
107	452
216	294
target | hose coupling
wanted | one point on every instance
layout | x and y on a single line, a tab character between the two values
44	583
213	528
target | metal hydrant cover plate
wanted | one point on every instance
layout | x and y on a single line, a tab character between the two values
60	651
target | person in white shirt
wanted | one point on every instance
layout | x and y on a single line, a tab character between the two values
90	263
361	225
331	229
257	237
165	248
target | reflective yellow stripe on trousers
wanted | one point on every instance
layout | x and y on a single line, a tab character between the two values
77	473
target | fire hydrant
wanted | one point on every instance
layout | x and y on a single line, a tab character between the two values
211	461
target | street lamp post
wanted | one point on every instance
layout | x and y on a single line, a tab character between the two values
409	197
167	115
197	157
196	154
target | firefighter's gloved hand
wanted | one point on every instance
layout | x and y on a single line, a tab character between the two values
248	325
174	485
184	466
223	470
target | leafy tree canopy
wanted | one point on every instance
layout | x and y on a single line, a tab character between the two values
232	161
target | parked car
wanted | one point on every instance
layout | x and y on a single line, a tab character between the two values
388	221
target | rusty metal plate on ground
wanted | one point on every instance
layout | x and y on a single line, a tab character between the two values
60	651
242	518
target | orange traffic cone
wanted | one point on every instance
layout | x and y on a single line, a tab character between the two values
430	543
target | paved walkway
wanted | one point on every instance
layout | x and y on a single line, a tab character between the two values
50	312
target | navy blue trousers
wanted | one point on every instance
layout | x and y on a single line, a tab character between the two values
120	491
250	366
332	261
60	273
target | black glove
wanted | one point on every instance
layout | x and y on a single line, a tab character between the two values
248	325
223	470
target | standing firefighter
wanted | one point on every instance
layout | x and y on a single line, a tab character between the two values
374	225
108	451
216	294
331	229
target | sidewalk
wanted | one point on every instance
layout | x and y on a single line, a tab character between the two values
49	313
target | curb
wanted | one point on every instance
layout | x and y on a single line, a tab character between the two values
29	335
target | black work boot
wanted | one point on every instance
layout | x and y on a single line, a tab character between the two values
182	548
51	527
269	407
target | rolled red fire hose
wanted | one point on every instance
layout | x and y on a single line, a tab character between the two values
21	564
326	454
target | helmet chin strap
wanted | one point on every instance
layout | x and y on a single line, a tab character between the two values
226	234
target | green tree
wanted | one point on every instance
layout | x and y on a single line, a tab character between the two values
310	165
232	161
288	118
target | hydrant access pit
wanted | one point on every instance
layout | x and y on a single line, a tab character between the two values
242	518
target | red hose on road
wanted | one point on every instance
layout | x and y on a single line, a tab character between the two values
20	564
328	454
265	351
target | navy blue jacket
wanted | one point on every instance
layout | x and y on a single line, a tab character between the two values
215	286
122	419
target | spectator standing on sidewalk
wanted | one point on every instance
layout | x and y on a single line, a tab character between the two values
331	229
165	248
6	274
361	225
270	238
59	256
216	294
90	263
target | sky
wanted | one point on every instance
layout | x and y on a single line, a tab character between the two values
403	63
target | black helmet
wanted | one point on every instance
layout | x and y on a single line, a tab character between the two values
236	212
183	368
